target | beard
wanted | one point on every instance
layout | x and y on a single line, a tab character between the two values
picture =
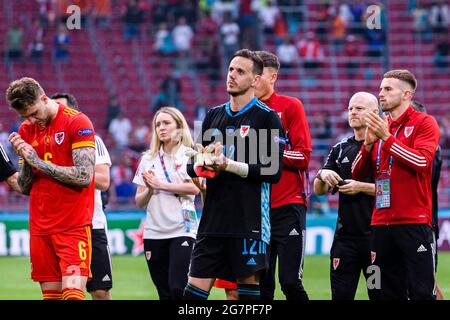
385	107
392	105
238	93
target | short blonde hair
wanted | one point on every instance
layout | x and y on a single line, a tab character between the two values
184	136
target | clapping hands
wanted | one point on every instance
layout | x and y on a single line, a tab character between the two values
209	160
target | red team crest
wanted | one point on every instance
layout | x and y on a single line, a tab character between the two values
148	255
373	256
59	137
178	165
244	131
336	263
408	131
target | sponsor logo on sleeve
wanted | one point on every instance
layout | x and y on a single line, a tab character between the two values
84	132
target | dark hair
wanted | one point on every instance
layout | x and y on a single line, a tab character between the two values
403	75
71	100
269	59
418	106
258	64
23	92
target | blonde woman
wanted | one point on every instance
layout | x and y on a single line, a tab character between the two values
164	187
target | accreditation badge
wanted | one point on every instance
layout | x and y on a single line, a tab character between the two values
383	190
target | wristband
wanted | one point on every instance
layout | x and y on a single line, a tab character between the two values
238	168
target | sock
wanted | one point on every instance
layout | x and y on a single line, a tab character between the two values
51	295
191	292
73	294
249	291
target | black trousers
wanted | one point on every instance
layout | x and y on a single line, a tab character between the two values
405	256
101	267
348	258
168	263
287	242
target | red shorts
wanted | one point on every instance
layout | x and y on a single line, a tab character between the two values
220	283
62	254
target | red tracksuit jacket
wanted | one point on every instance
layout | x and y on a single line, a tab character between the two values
412	151
291	187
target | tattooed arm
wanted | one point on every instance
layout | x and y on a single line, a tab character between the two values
81	174
25	179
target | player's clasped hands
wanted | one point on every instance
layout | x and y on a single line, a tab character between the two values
17	142
22	148
209	160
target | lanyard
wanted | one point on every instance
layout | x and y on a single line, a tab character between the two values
161	159
379	153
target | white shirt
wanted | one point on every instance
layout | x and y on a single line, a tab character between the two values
442	10
268	16
160	38
182	36
287	53
141	133
230	33
120	130
101	157
164	210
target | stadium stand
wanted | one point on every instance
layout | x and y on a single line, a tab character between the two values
102	62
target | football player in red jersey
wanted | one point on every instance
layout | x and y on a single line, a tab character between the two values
58	148
288	197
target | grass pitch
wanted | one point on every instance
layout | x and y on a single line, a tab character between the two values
131	279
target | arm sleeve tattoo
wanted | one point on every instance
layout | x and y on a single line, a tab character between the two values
25	179
81	174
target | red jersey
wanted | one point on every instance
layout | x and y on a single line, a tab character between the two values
291	187
412	146
55	206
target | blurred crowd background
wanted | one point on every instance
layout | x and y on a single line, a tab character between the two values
131	57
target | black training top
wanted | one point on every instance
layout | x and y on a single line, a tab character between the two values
7	168
235	206
355	211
